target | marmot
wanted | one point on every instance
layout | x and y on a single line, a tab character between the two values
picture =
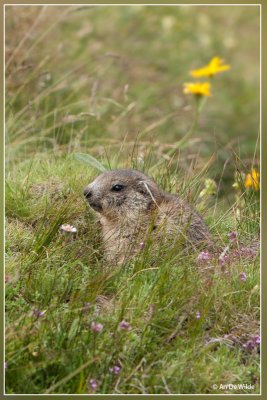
133	210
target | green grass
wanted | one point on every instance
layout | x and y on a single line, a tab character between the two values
74	88
168	350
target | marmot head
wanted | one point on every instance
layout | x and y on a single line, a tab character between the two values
122	192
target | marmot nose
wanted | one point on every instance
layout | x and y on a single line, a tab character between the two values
87	193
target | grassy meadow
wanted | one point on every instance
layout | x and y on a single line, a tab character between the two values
93	88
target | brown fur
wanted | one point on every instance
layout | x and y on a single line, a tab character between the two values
139	211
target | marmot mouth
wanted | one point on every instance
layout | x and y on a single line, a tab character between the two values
96	207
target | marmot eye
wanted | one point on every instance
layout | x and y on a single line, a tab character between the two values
117	188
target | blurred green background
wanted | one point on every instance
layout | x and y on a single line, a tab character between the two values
85	78
108	81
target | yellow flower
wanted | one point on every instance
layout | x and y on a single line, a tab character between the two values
253	180
214	67
198	88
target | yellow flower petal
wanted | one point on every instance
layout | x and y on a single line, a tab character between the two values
198	88
214	67
252	180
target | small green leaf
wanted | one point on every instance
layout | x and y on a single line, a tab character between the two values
89	160
74	328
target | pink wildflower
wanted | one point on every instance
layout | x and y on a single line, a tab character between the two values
96	327
198	314
68	228
37	313
124	325
204	256
252	343
243	276
232	236
116	369
93	383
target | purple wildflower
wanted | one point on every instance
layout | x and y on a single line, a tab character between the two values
247	345
244	252
124	325
96	327
252	343
204	256
247	252
93	383
198	314
224	259
116	369
232	236
243	276
257	339
142	245
37	313
236	253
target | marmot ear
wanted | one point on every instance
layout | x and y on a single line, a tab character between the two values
149	189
